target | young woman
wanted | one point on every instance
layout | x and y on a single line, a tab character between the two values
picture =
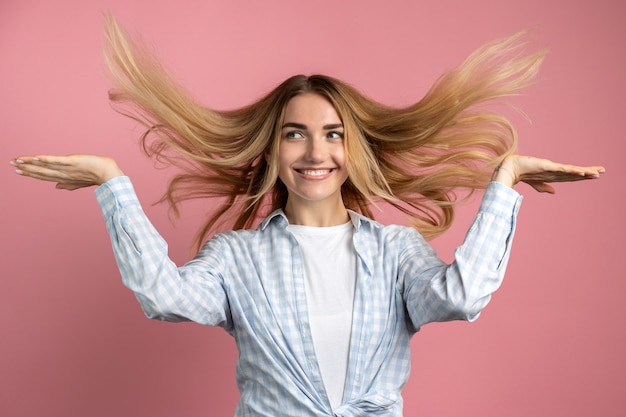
321	299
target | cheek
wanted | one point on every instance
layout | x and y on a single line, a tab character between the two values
283	159
339	155
342	160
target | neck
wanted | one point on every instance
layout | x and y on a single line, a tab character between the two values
316	214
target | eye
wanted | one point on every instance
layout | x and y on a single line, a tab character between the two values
293	134
334	135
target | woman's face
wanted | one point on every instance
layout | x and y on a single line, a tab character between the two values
311	156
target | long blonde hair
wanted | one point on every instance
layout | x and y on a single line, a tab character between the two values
416	158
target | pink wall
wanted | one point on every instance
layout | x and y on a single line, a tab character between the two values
73	340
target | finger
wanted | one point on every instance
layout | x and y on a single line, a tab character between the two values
53	160
594	171
38	176
583	171
25	163
22	159
558	176
576	173
41	172
30	159
565	168
41	160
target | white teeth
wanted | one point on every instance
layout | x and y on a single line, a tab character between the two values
315	172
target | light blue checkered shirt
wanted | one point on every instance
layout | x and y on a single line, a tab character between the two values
251	283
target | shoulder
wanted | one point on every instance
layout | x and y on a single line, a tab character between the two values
393	236
224	249
368	225
272	228
235	238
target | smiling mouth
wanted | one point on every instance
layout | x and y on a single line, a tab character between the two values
315	172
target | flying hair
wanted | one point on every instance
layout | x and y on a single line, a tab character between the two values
422	159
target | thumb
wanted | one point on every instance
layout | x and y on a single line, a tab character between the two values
542	187
65	186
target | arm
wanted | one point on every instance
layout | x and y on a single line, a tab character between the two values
438	292
166	292
435	291
192	292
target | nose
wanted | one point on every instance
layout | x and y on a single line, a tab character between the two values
317	150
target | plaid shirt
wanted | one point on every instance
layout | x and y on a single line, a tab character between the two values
251	283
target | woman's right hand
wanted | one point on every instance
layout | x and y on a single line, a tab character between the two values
70	172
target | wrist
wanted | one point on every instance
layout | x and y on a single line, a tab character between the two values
110	171
504	174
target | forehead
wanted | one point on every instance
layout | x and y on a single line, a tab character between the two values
311	109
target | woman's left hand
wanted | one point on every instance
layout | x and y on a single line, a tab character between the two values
538	172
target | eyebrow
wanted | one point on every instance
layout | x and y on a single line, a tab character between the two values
303	127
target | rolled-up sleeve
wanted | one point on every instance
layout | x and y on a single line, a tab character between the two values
193	292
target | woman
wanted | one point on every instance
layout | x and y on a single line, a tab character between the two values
321	300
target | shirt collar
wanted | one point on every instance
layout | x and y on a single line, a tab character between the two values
356	219
279	215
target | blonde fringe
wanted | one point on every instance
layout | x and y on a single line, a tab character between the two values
422	159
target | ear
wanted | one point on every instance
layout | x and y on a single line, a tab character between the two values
267	153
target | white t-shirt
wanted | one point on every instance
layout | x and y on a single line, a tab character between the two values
330	279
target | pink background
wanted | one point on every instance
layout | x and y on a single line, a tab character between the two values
73	341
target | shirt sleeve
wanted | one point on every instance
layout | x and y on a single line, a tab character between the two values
166	292
435	291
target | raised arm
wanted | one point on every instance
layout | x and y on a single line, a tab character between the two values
462	289
163	289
